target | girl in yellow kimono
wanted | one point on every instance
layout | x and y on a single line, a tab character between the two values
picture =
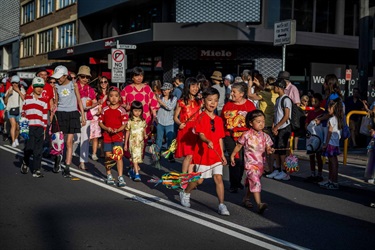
135	135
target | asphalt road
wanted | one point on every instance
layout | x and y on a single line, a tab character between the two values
58	213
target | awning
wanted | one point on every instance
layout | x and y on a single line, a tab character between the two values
101	46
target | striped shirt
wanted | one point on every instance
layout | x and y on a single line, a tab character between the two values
35	110
165	113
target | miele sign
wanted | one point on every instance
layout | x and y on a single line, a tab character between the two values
222	54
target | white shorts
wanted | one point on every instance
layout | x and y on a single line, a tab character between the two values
209	171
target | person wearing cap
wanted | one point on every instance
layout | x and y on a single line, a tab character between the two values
35	110
68	118
178	82
13	99
290	90
217	83
165	114
49	96
228	80
89	101
281	129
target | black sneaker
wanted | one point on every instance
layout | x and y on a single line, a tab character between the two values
24	168
171	159
57	167
66	172
37	174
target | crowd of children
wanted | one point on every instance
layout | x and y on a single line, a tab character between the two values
124	120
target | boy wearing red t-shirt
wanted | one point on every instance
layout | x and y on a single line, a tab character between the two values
208	153
113	121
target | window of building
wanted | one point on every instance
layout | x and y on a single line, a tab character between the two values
45	7
45	41
64	3
66	35
325	16
28	12
28	46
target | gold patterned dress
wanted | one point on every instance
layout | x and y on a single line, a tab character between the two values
136	130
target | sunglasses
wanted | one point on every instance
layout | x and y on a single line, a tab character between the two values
83	76
212	122
103	81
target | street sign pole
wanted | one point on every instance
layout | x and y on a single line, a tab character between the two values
284	56
284	34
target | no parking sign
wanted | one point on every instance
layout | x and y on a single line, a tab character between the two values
118	65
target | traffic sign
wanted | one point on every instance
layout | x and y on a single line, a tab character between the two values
126	46
118	65
348	74
284	33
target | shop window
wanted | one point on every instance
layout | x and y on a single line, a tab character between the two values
303	14
45	7
28	12
28	46
66	35
64	3
45	41
325	16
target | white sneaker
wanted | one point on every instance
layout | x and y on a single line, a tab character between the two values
17	143
94	157
14	144
371	181
282	176
223	210
185	199
323	183
273	174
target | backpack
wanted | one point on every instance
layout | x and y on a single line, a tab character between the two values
296	114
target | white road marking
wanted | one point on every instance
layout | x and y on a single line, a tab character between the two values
156	203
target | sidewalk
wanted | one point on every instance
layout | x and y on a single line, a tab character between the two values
350	175
355	156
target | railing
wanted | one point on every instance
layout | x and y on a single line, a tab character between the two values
346	142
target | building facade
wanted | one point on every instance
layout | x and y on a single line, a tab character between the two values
45	25
9	36
185	36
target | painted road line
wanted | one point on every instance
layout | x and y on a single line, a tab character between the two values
123	191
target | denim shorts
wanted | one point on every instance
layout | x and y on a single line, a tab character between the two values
17	117
107	147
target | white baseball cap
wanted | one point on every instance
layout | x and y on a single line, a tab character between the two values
59	72
15	78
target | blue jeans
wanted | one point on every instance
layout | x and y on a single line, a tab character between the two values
168	131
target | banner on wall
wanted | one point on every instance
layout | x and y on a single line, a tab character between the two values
320	70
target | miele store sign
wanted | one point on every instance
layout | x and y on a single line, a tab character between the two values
222	54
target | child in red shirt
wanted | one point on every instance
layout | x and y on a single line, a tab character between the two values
113	120
208	153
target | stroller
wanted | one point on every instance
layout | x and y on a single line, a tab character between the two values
315	137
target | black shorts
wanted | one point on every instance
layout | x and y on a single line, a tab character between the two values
67	122
281	140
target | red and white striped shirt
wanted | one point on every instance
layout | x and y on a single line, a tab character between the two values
35	110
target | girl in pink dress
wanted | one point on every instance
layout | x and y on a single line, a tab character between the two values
255	143
185	115
139	91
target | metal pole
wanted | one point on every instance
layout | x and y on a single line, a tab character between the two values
284	55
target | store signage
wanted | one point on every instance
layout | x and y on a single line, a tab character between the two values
26	75
70	51
216	54
109	43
